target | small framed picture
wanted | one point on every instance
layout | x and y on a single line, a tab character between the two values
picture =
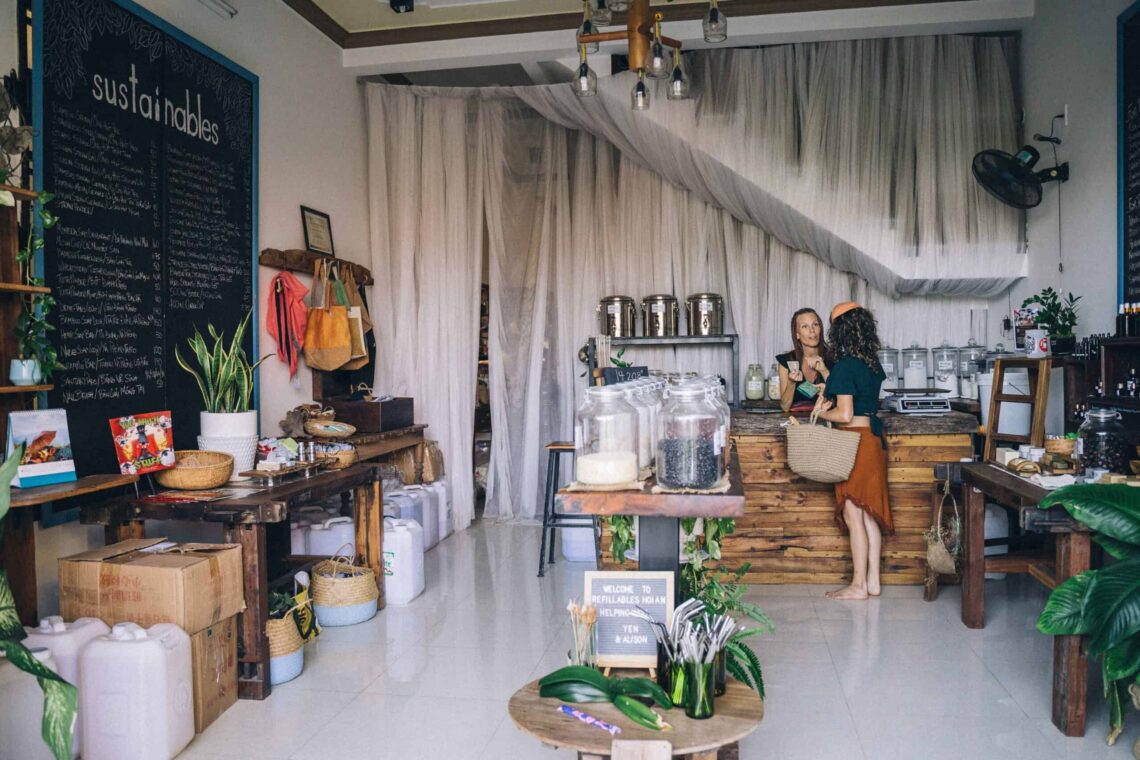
318	231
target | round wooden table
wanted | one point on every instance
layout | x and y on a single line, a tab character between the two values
738	713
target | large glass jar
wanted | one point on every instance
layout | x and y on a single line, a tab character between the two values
646	442
716	396
754	383
605	438
688	454
1103	441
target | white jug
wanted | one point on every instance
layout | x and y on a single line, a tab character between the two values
444	508
427	513
136	696
21	709
299	536
65	641
403	560
329	538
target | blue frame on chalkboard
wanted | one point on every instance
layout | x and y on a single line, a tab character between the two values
48	516
1121	20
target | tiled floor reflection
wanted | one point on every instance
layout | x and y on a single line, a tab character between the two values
889	678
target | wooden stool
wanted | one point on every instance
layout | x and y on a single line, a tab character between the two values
551	519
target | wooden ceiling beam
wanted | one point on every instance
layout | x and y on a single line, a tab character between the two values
568	21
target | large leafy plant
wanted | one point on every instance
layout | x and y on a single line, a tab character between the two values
1060	314
224	375
722	592
1104	604
60	698
32	326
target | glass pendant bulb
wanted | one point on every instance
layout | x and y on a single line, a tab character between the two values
678	82
658	65
714	24
600	13
639	96
585	82
618	6
587	27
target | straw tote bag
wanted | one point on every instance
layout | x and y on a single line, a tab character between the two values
360	323
328	343
820	452
942	542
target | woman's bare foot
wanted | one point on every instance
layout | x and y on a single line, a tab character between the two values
873	588
849	592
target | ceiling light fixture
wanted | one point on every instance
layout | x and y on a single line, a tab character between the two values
220	7
646	52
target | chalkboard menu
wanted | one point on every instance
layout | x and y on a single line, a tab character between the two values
625	641
148	141
1128	145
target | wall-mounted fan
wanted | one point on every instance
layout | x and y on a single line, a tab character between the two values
1011	179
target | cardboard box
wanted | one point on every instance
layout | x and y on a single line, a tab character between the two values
214	651
150	580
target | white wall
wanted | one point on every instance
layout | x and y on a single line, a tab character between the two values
1069	56
312	153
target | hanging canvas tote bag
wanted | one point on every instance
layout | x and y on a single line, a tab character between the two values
355	323
820	452
358	311
328	344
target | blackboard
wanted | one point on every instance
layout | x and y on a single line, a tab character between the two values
625	641
615	375
148	139
1128	147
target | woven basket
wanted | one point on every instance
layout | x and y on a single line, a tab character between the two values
1062	446
197	470
284	638
356	587
328	429
820	452
338	460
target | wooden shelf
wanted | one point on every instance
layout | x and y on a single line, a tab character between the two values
21	194
31	497
25	388
1123	402
13	287
296	260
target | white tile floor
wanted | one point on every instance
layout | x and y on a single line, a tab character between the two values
891	678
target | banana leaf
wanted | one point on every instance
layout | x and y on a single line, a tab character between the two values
1122	662
1116	695
1112	605
1117	549
1064	611
60	698
1110	510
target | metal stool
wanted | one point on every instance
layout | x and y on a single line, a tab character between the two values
551	519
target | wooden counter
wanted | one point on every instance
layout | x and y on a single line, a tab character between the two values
788	532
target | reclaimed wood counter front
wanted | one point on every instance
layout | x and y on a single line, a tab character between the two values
788	532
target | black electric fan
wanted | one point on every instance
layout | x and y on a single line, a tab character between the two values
1011	179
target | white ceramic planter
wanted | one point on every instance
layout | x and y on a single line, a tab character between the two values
24	372
242	448
228	425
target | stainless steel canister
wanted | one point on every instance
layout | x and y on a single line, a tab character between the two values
617	316
659	316
706	314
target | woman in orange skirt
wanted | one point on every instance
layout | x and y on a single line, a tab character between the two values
851	399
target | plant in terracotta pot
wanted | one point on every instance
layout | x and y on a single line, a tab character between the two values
1057	315
225	378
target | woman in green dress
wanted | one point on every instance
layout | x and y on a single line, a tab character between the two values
851	399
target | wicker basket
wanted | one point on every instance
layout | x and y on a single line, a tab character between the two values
338	460
328	429
344	600
284	638
1062	446
197	470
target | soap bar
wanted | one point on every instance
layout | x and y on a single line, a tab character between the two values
1003	455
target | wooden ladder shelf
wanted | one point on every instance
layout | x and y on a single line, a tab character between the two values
1037	399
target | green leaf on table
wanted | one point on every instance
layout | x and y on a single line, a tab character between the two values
60	698
1064	611
1117	549
1111	510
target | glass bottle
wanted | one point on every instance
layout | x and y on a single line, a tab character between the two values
1103	441
774	383
605	438
687	451
754	382
645	440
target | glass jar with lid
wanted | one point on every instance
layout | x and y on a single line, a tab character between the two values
915	367
754	383
1103	441
720	402
646	443
605	438
688	450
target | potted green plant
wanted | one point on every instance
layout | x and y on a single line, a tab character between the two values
225	379
1057	315
60	698
1104	604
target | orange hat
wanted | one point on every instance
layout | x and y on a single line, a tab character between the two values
842	308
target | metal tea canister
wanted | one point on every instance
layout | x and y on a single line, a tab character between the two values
660	316
705	312
617	316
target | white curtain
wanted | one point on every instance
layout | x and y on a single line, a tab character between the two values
805	175
426	216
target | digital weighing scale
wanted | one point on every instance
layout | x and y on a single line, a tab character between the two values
919	400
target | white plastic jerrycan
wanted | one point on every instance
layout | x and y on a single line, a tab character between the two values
403	560
334	536
21	709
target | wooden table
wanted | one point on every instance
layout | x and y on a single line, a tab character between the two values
982	483
18	545
245	521
738	713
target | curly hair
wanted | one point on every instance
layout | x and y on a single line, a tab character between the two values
856	334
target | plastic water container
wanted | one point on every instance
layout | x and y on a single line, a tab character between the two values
1015	418
329	538
21	709
444	505
403	560
135	697
315	513
65	641
428	517
299	536
577	544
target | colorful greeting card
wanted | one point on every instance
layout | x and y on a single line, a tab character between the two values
143	442
47	447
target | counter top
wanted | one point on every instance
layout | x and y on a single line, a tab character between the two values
955	423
